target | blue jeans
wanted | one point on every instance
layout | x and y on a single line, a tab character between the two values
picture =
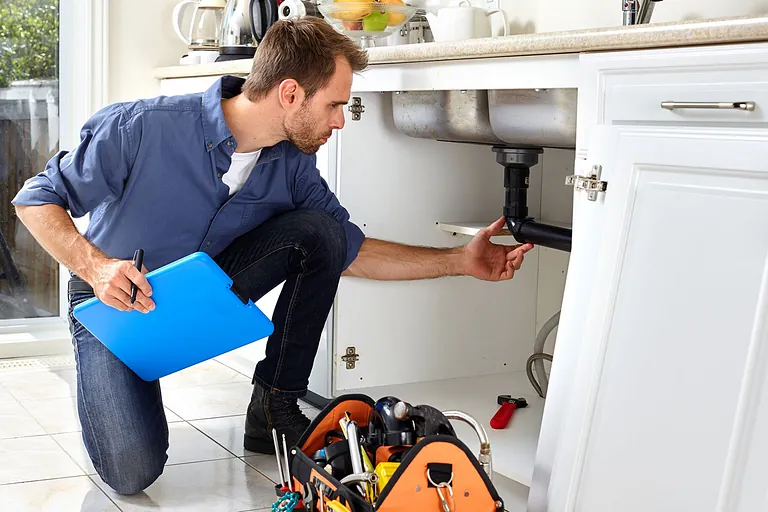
124	426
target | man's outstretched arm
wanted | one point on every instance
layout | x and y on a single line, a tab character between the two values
480	258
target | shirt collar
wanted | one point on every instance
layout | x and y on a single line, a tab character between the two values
215	129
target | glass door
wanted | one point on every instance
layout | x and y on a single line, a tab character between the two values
29	136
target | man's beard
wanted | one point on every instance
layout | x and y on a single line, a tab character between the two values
300	132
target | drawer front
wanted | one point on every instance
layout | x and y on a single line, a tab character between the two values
630	87
700	97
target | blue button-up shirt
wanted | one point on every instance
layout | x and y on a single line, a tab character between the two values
149	173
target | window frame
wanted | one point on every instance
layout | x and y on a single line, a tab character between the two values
83	89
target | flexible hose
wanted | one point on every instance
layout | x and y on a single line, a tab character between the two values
540	382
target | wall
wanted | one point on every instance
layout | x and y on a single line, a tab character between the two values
141	38
536	16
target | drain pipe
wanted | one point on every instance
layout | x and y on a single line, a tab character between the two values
517	164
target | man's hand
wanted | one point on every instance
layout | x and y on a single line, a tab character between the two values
110	278
111	282
491	262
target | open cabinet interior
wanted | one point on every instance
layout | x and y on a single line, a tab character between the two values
453	343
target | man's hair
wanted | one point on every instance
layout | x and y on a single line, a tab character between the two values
304	50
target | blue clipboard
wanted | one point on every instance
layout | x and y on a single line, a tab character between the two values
197	316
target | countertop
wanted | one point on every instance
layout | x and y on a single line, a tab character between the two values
654	35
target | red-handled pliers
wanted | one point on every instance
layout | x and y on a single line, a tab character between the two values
504	414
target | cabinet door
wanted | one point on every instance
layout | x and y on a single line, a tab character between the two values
669	408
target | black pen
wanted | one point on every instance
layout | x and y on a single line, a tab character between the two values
138	261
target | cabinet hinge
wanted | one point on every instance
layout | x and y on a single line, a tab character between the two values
592	183
357	108
351	357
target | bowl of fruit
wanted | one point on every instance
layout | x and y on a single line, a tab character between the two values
367	21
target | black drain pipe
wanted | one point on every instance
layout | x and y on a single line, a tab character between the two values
517	164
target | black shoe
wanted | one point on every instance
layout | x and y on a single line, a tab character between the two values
266	412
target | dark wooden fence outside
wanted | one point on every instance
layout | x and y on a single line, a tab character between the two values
37	293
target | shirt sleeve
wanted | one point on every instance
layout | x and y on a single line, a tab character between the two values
92	173
311	191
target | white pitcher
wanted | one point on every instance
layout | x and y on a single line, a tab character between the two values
463	21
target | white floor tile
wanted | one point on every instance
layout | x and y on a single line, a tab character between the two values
15	421
34	458
5	395
187	444
56	416
213	401
216	486
72	443
202	374
78	494
40	384
264	464
228	432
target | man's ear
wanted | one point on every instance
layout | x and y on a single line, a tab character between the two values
290	93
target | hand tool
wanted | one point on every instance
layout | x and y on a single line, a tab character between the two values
354	449
277	454
287	465
427	420
508	405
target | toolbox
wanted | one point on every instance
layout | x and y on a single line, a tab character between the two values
410	459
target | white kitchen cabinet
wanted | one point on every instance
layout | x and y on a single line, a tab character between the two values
667	396
666	407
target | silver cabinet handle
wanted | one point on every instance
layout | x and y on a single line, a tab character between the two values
738	105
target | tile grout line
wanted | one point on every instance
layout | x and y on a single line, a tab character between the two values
71	398
85	471
26	437
34	480
117	505
257	469
239	457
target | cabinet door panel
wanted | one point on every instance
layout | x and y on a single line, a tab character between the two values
670	411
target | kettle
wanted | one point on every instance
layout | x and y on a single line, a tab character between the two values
205	27
463	21
244	26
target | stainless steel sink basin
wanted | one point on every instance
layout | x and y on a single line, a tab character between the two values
457	116
534	117
519	118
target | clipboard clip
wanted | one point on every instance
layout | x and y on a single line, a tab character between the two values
239	293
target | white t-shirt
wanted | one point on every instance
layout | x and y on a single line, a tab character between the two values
239	170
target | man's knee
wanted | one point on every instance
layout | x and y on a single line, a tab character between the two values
325	237
132	471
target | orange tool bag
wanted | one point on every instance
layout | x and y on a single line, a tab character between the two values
403	471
